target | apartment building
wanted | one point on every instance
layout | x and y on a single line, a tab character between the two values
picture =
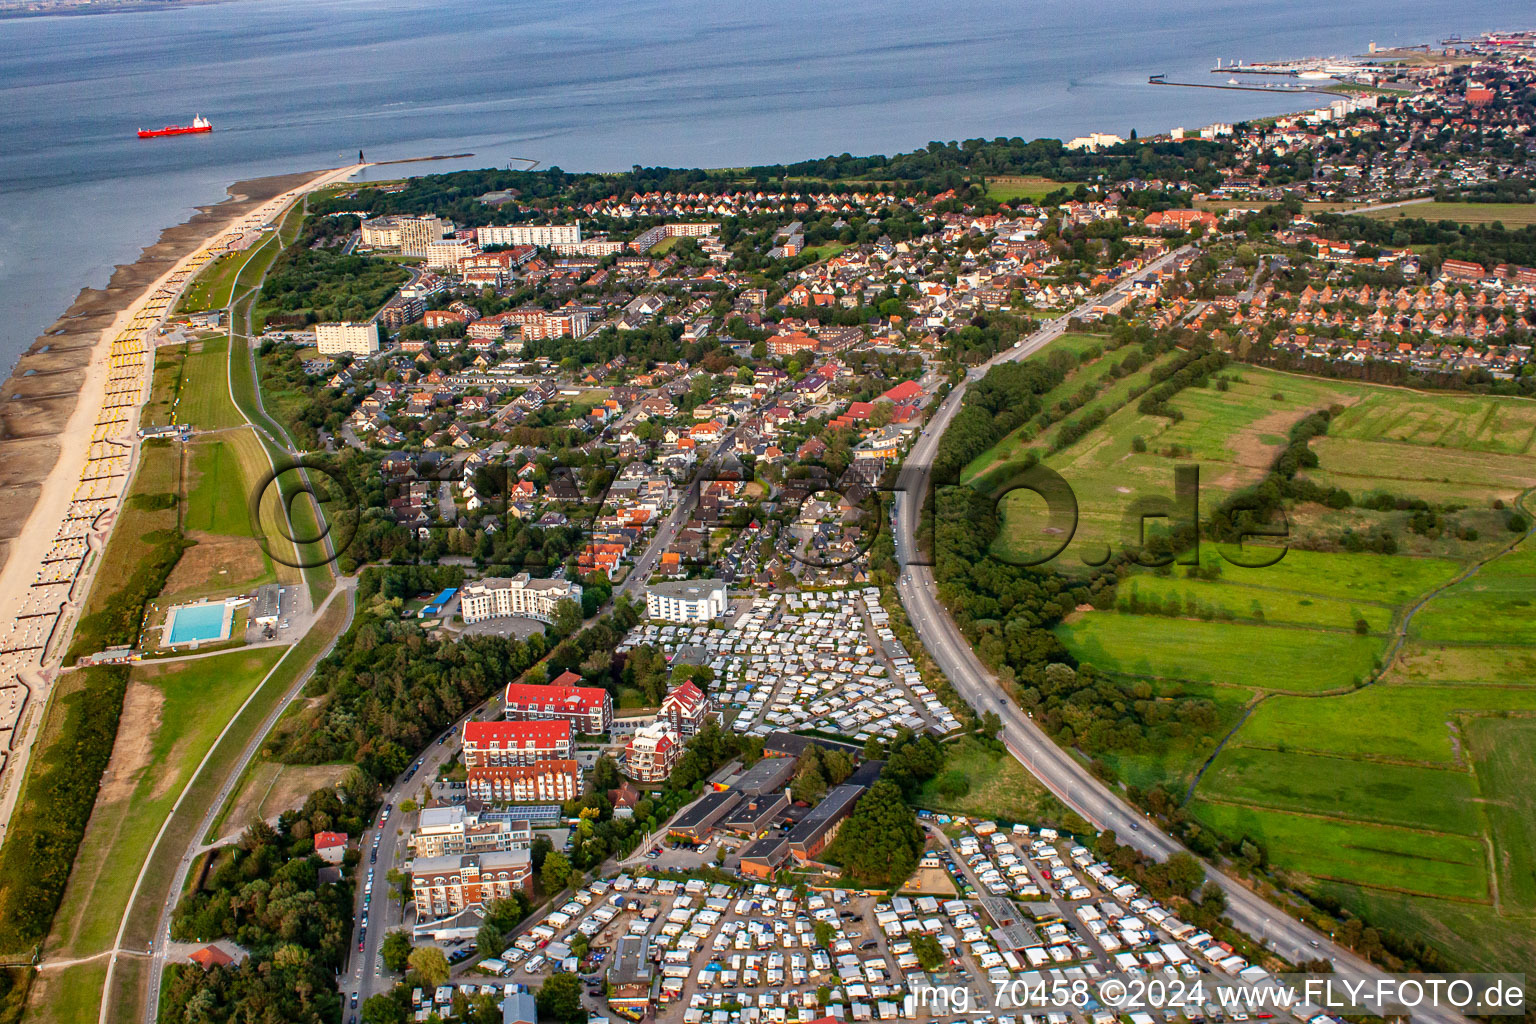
686	600
441	831
499	744
347	338
685	709
447	254
443	886
416	233
544	235
380	233
652	753
545	781
497	597
589	709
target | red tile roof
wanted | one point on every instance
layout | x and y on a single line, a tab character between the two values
483	734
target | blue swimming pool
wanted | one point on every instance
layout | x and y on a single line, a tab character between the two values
197	622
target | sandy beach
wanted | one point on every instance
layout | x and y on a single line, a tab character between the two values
69	445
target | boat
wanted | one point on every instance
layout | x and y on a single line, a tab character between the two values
199	125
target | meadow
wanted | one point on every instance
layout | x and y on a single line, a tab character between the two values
1511	215
1008	187
1231	436
1280	658
1380	856
1407	797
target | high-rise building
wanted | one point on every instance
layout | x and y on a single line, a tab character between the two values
416	233
652	753
686	600
347	338
544	235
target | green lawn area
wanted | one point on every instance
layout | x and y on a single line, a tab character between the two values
1005	188
1449	663
1511	215
1436	799
1275	657
1365	577
825	251
1497	610
1253	602
67	996
217	500
143	520
204	394
213	286
171	716
1000	787
1409	723
1472	422
1381	856
1504	760
1233	437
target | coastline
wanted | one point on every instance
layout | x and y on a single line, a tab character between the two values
68	442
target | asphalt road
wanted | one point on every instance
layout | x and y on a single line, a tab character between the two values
1061	773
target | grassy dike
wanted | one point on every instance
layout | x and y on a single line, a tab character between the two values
79	732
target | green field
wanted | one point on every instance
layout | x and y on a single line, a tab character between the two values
204	394
171	716
1504	759
1255	602
213	287
1396	796
1511	215
1380	856
1005	188
1232	437
1407	723
1493	610
1434	799
1301	660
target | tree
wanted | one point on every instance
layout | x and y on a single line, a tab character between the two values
556	872
825	933
567	618
430	963
1184	873
879	844
559	999
605	774
929	953
383	1009
488	940
396	950
1213	899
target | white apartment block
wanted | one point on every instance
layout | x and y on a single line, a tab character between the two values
347	338
545	235
446	254
686	600
497	597
441	831
380	233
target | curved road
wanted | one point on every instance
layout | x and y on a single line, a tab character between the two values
1060	772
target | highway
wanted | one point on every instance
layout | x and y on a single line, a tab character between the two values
1060	772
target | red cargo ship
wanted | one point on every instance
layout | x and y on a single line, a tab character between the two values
199	125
